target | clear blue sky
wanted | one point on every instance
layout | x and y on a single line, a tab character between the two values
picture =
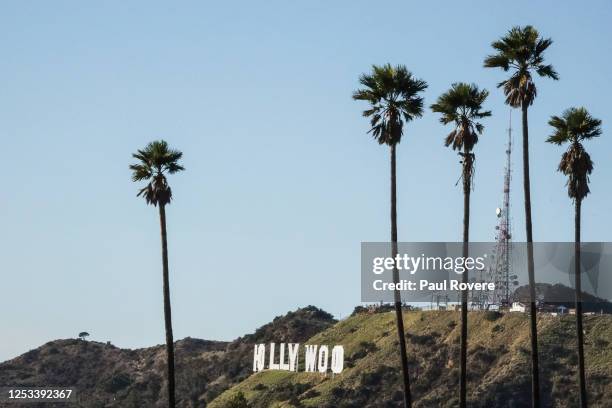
282	182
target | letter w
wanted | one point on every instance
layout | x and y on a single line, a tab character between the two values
311	359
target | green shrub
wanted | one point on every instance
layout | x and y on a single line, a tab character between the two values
117	382
237	401
492	315
365	347
423	340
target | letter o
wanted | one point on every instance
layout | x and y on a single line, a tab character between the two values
337	359
323	358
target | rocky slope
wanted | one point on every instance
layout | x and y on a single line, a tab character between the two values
106	376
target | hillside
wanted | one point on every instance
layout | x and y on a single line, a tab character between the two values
498	364
211	373
107	376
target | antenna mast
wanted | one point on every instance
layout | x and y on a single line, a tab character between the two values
506	213
505	283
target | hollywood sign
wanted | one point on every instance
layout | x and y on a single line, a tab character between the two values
285	358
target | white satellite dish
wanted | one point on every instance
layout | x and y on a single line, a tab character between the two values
498	211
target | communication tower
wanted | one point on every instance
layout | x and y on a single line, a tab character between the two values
500	270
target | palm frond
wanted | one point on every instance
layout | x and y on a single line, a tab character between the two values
547	71
577	165
393	95
497	61
155	160
574	126
140	172
462	105
522	51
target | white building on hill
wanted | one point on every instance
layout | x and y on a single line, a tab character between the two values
518	307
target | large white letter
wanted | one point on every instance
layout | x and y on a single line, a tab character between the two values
272	365
311	358
337	363
259	357
323	357
282	364
293	356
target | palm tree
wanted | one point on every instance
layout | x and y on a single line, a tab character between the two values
461	105
393	95
521	51
573	127
155	161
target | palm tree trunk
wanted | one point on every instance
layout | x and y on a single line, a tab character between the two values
535	370
579	330
167	310
398	300
467	180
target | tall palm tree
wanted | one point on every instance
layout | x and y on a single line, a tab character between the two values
461	105
393	95
155	161
521	51
574	126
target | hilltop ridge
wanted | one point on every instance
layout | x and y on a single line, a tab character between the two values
107	376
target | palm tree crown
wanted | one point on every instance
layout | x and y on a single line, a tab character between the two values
156	159
522	49
462	105
574	126
393	95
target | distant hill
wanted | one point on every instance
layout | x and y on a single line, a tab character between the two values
107	376
498	359
562	295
